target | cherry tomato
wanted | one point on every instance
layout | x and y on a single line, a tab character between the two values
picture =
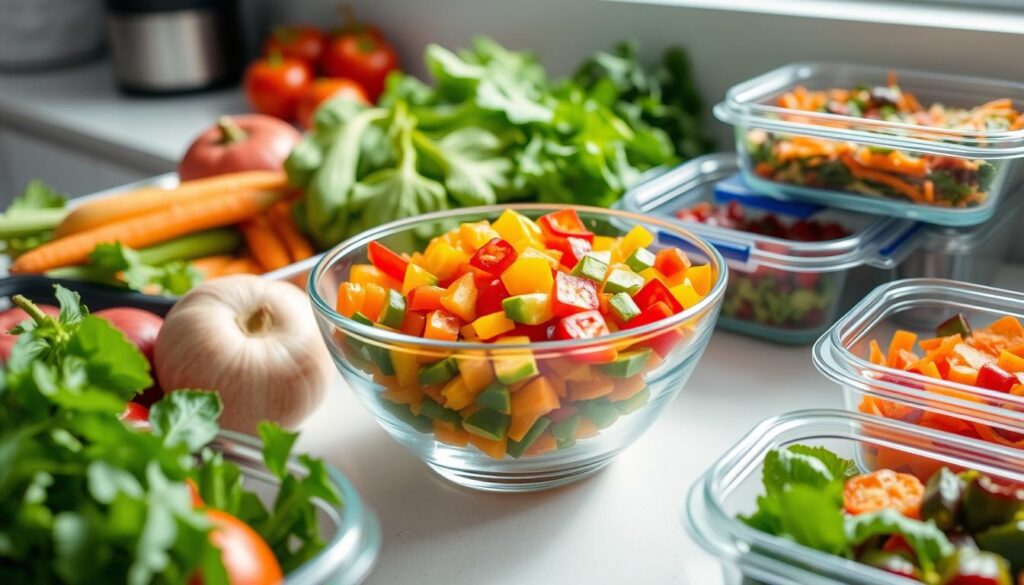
303	42
322	90
364	57
273	85
10	319
136	416
247	558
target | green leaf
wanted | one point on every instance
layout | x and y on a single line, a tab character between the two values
73	541
71	309
837	466
111	360
187	417
107	481
38	195
784	467
472	164
277	447
812	517
928	542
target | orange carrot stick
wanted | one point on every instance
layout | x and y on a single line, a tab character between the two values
283	224
264	244
167	223
211	266
861	172
243	265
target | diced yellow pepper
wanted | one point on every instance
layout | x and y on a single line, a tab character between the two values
528	274
650	274
700	278
407	367
416	276
476	370
686	294
442	259
638	237
460	298
475	235
603	243
548	256
493	325
365	274
457	395
518	230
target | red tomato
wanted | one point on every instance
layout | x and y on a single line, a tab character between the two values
298	41
322	90
10	319
136	416
387	261
273	85
494	256
141	328
364	57
247	558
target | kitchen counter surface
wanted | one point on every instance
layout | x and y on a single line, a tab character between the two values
619	526
80	107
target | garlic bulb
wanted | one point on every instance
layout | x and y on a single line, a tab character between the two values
255	342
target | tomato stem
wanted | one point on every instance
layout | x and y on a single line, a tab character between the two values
230	131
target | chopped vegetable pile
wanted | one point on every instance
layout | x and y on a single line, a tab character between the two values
921	178
517	281
493	128
791	299
991	358
954	529
94	491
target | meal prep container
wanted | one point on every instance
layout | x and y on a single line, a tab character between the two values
732	485
296	272
751	107
919	305
619	418
351	531
780	290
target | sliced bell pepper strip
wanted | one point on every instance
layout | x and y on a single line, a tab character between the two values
564	224
387	261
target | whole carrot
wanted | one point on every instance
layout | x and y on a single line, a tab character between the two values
284	226
167	223
264	244
212	266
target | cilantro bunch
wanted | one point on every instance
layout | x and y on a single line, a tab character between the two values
86	499
492	128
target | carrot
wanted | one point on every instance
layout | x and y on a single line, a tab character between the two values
895	162
929	192
136	202
211	266
283	223
263	243
883	489
999	104
145	230
862	172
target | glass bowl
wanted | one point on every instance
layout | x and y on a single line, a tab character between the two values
351	530
610	412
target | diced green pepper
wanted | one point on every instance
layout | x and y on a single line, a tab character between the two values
601	412
628	363
634	402
433	410
495	397
516	449
623	306
1006	540
488	424
942	498
393	312
641	259
510	369
626	281
591	267
421	423
529	309
374	353
988	503
438	372
564	432
955	324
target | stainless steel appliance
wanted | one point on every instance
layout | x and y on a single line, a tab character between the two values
40	34
174	46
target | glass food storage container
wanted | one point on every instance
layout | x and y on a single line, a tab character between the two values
779	289
971	406
733	483
928	146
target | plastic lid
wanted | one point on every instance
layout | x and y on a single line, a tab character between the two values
751	104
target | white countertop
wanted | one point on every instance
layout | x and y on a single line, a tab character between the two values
81	107
619	526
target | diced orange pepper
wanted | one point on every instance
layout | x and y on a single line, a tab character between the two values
901	341
446	432
474	235
373	300
672	263
1008	327
962	374
493	325
476	370
434	392
595	388
529	403
700	278
411	395
441	325
426	298
585	429
442	259
493	449
365	274
528	274
416	276
413	323
1010	362
350	298
877	357
626	388
931	370
460	298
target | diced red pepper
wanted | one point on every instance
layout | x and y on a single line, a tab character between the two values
572	249
993	377
564	224
655	292
426	298
664	342
489	296
573	294
494	256
542	332
586	325
387	261
671	261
